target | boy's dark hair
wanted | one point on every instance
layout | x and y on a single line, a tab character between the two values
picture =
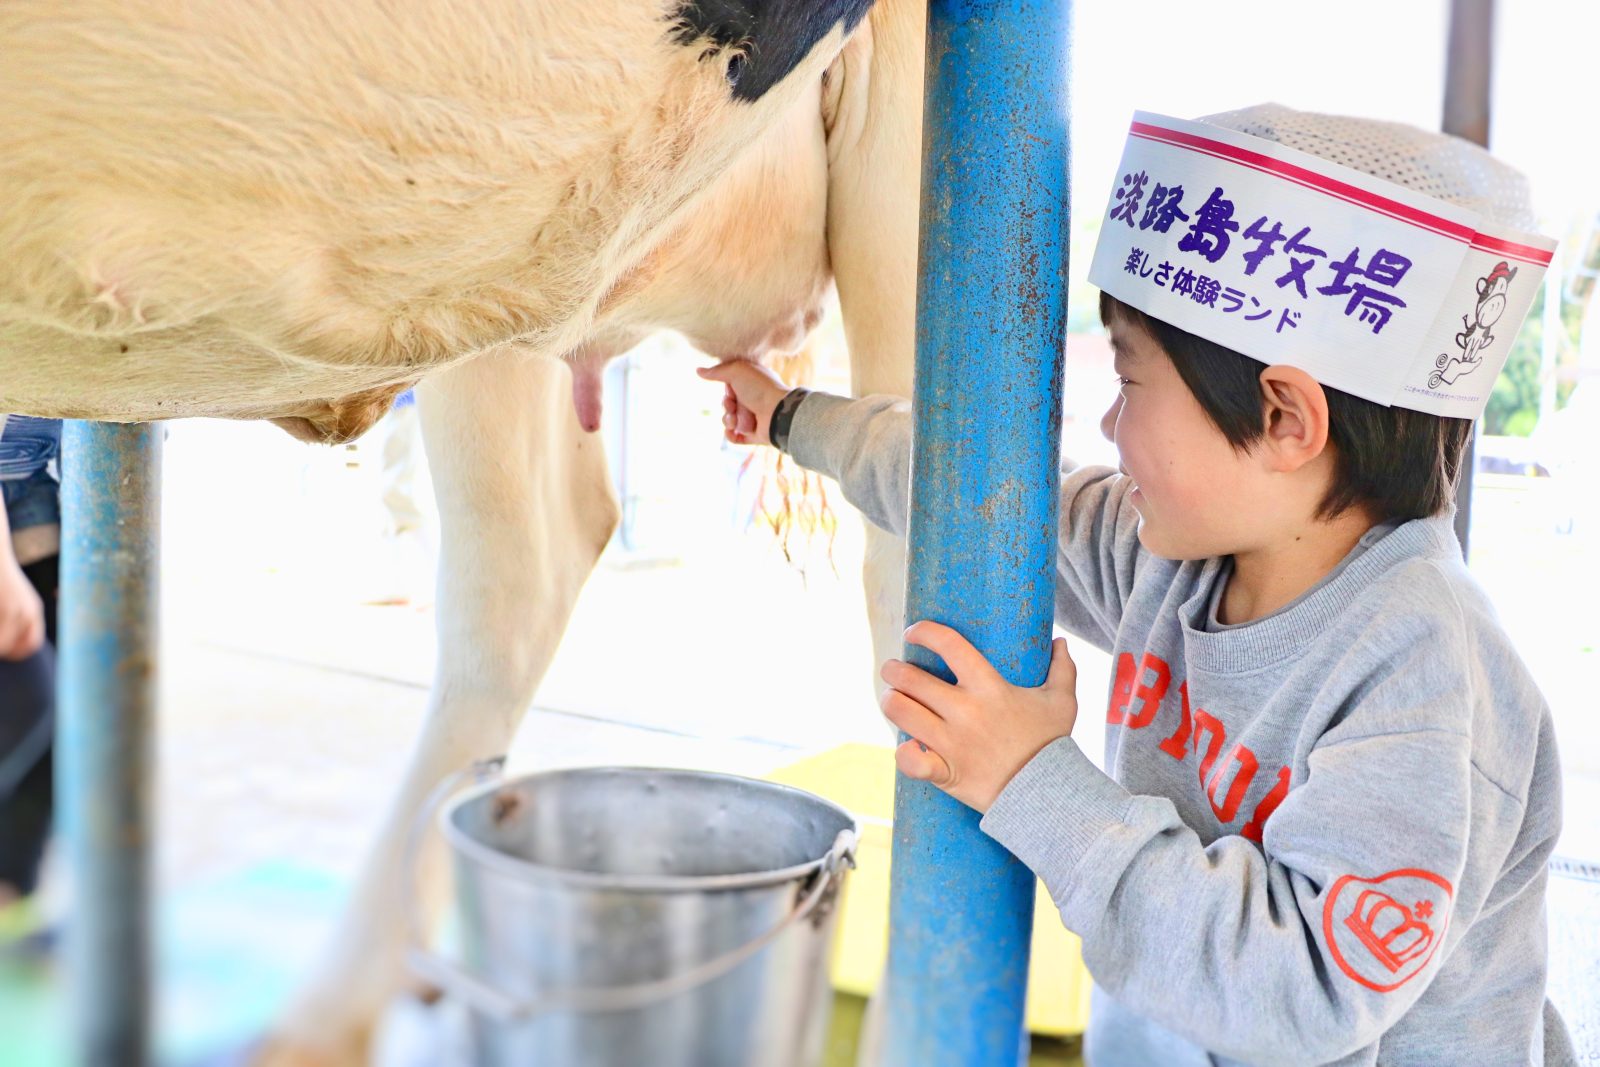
1402	464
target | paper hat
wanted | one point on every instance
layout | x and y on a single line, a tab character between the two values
1383	260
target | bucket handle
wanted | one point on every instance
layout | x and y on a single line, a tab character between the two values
456	980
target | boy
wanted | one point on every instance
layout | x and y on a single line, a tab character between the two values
1331	784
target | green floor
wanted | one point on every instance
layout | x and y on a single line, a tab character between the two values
27	1017
224	971
228	953
845	1029
30	1022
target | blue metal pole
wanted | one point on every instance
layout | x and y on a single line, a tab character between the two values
991	324
110	503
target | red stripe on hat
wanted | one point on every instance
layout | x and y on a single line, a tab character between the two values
1537	256
1341	190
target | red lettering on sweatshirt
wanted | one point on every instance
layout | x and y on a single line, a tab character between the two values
1138	691
1243	764
1177	746
1131	685
1150	694
1269	804
1205	723
1121	690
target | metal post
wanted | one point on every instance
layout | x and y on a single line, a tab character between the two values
991	323
110	500
1468	80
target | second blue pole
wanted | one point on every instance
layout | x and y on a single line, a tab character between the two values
991	324
105	733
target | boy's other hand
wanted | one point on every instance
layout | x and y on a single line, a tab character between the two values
750	395
21	613
971	738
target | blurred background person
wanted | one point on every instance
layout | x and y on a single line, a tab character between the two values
30	544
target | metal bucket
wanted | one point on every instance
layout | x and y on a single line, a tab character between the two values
621	917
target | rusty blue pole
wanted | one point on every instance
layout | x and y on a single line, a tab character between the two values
991	324
110	505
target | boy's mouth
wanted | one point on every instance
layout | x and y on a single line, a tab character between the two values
1133	486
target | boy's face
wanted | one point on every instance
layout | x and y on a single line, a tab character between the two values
1197	496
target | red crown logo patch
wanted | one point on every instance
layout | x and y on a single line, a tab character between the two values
1383	931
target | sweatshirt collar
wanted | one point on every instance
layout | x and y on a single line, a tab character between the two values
1286	633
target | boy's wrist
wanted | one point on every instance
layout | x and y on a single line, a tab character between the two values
1054	809
783	418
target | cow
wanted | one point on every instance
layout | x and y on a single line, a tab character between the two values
295	211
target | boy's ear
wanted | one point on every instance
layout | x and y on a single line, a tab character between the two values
1294	411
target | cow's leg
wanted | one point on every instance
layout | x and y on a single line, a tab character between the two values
525	508
873	117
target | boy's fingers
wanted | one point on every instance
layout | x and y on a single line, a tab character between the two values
917	683
957	652
915	760
22	639
1063	671
746	420
912	717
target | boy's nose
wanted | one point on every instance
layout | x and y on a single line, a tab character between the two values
1108	421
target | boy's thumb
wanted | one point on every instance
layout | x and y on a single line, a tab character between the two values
724	371
918	761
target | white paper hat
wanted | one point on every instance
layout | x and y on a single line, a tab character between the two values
1386	261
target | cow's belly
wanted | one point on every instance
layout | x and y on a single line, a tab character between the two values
182	373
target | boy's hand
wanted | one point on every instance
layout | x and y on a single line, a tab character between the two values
750	396
21	613
971	738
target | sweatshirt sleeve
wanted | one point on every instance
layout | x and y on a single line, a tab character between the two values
1313	944
865	444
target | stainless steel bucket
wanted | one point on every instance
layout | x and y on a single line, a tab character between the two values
624	917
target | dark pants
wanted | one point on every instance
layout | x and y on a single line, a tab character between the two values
27	726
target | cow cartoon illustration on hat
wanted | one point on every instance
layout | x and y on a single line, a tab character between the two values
1476	337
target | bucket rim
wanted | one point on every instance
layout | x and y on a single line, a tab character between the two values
544	874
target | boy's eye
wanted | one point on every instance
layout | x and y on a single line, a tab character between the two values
1121	381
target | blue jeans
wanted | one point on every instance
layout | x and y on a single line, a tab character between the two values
27	721
32	501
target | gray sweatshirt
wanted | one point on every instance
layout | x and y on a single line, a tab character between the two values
1323	834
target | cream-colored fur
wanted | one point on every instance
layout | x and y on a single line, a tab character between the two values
291	211
215	207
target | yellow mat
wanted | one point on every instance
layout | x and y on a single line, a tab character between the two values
860	779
